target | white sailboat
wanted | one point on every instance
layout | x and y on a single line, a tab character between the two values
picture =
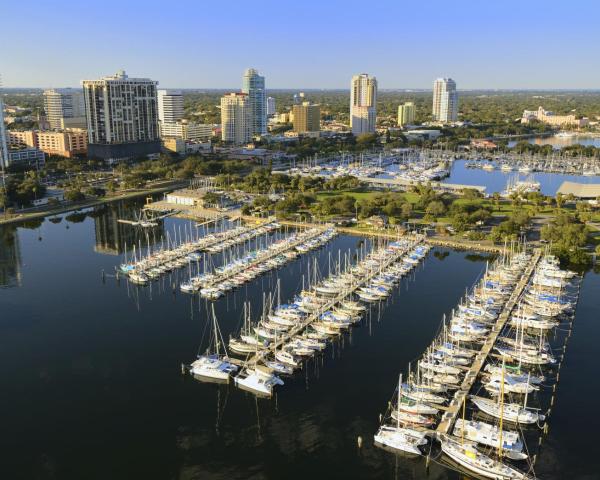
400	438
213	365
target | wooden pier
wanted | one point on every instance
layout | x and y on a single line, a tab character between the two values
460	395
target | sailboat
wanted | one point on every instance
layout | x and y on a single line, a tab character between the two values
490	435
465	454
397	437
259	380
213	365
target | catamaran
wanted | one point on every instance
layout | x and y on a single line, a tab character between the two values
214	365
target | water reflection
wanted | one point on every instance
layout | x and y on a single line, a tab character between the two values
10	257
114	237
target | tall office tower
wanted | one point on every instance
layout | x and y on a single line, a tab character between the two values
3	139
363	104
406	114
307	117
65	108
445	100
270	106
254	86
122	117
170	106
236	118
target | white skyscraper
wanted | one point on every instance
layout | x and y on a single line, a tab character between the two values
270	106
445	100
170	106
3	140
64	108
236	118
254	86
122	117
363	104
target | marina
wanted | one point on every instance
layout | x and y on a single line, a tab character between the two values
251	264
501	325
151	264
115	351
453	171
322	311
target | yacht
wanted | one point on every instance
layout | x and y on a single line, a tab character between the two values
468	456
258	380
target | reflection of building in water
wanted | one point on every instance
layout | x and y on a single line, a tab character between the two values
113	237
10	257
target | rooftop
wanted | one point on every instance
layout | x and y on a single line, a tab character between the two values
580	190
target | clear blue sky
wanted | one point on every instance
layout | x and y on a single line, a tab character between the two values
304	44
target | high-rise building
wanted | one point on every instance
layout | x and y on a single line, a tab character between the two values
363	104
66	143
445	100
270	106
65	108
170	105
122	117
194	132
307	117
236	118
254	86
406	114
3	139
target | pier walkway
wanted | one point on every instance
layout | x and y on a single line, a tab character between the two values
456	403
257	357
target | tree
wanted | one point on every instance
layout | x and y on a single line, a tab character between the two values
407	210
435	209
496	199
560	200
74	195
568	236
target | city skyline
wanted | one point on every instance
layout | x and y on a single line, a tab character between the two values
482	48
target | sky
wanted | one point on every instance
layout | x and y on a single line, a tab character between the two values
484	44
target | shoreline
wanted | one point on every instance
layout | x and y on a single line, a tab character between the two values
19	218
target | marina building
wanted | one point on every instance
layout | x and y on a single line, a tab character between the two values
550	118
121	117
582	191
363	104
445	100
65	108
307	117
253	85
406	114
236	118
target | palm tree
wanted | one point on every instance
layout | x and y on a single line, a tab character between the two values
496	198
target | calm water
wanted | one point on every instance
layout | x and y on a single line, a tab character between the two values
92	385
496	180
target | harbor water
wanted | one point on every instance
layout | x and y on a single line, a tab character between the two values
92	386
496	180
